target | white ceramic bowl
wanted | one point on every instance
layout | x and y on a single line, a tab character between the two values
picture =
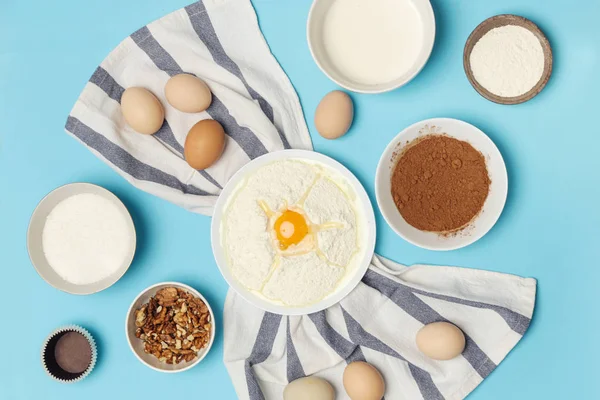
137	345
36	227
314	34
492	207
368	232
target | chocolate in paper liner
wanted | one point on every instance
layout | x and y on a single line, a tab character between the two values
49	360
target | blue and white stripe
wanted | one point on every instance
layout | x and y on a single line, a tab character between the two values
252	98
377	323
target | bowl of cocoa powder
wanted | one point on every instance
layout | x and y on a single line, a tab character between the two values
441	184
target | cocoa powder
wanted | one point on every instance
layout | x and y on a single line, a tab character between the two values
440	184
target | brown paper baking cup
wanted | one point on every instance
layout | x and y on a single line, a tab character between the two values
48	355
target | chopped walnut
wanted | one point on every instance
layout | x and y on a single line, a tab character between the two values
174	326
140	316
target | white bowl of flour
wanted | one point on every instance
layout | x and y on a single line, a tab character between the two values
81	238
293	232
371	46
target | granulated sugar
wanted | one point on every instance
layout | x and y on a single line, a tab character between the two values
508	61
86	239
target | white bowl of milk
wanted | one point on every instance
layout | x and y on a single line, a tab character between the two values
371	46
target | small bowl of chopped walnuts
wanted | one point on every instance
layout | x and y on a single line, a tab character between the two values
170	327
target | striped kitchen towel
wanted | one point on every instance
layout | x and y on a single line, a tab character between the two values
377	323
220	41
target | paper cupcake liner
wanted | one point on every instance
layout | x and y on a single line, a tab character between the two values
50	365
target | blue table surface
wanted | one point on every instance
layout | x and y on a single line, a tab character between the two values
549	229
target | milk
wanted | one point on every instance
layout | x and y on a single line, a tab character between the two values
373	41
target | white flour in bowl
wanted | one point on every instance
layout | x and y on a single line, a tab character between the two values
86	239
291	233
508	61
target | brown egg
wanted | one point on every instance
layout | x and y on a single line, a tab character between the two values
204	144
142	110
309	388
334	115
440	341
188	93
363	381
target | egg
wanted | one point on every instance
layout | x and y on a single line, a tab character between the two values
204	144
188	93
334	115
142	110
441	341
290	229
363	381
309	388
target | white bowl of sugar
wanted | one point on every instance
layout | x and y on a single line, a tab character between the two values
81	238
371	46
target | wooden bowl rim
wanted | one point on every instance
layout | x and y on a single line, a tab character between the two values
495	22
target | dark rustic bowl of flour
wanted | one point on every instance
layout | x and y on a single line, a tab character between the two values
508	59
441	184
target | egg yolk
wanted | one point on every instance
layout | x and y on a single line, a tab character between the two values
290	228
